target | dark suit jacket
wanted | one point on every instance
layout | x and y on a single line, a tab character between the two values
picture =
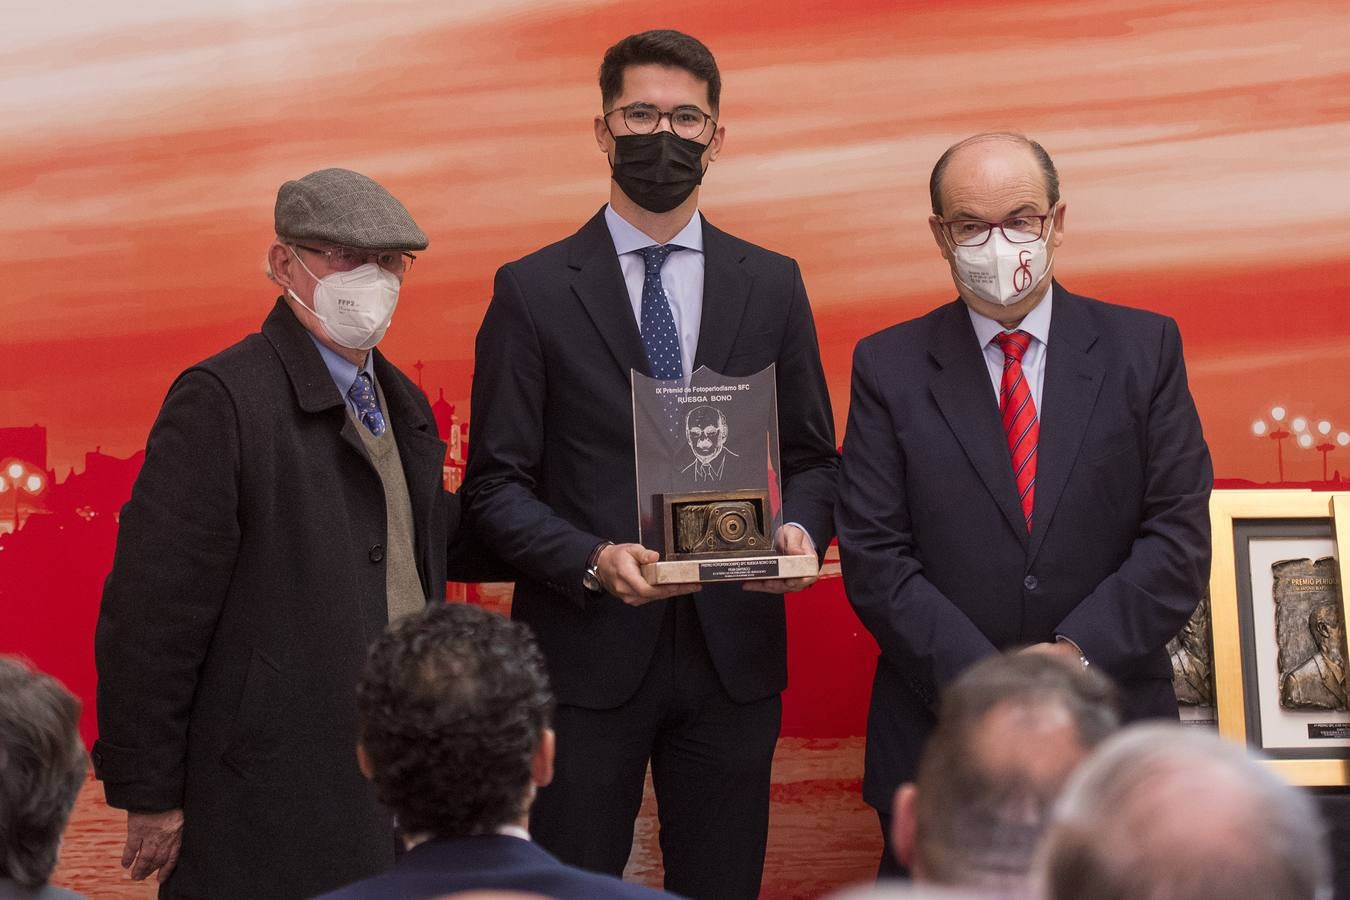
936	558
248	583
488	862
10	890
550	469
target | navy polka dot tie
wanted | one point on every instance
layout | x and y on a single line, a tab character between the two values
659	336
362	395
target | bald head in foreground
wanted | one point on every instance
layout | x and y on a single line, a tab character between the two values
1162	811
1011	731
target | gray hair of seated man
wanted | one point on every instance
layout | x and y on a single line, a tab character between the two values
42	766
1175	812
1010	730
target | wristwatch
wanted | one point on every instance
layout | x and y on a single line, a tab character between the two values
591	580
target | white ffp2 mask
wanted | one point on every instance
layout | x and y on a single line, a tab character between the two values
354	307
1000	271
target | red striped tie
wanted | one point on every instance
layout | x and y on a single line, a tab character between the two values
1020	422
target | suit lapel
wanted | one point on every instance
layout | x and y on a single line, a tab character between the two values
726	290
1073	379
965	396
598	283
310	378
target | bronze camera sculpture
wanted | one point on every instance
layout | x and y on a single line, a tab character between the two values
716	524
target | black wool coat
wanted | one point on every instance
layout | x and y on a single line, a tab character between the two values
248	583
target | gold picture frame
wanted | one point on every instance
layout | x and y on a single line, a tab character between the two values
1244	640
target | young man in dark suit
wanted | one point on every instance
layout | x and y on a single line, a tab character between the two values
1022	467
454	708
688	680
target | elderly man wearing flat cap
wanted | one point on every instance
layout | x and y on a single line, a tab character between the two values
290	506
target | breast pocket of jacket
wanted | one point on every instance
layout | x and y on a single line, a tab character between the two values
751	353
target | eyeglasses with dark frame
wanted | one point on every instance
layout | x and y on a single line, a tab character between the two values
689	122
1019	229
344	259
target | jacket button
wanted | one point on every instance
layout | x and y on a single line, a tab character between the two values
1030	583
376	553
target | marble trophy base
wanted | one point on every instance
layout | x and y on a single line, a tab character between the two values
729	568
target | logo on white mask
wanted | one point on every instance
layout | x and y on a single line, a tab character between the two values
1000	271
354	307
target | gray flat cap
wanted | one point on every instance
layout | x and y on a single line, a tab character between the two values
347	208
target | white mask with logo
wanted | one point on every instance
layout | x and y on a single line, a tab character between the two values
354	307
1000	271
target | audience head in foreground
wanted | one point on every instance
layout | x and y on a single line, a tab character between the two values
42	765
1164	812
1010	731
454	710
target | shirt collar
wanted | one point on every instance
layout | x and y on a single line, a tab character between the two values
413	840
343	372
628	238
1036	323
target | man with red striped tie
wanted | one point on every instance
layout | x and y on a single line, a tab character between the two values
1023	468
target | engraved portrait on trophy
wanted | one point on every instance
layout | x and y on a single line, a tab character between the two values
1310	634
1192	656
709	496
705	430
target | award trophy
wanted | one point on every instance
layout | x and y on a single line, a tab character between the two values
709	498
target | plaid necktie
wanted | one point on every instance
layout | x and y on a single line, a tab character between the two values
1020	422
362	395
659	337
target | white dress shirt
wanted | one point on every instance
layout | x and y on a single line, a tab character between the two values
1036	324
681	276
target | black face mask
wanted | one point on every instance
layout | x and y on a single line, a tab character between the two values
657	171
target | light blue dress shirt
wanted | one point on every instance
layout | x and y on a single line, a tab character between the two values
344	373
1036	324
681	276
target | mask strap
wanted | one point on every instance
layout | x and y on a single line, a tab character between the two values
301	262
306	307
1049	249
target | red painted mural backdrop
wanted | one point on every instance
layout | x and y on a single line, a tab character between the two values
1201	149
